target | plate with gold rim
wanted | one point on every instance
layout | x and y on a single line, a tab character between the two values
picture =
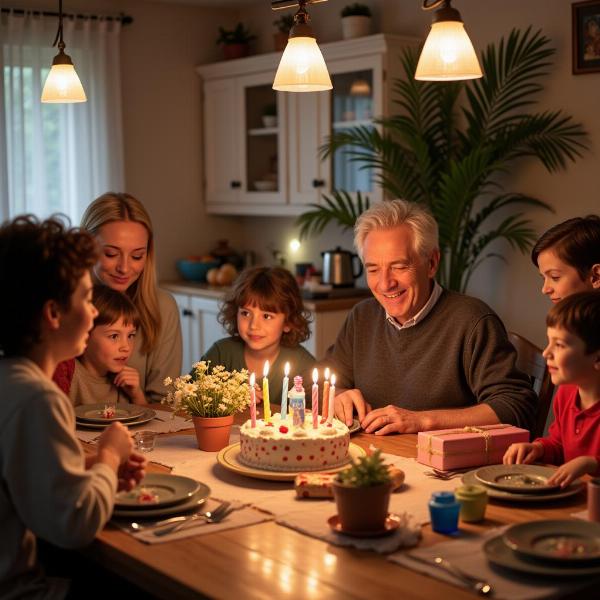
92	413
228	457
146	416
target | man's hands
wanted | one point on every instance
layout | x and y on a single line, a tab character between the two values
380	421
131	472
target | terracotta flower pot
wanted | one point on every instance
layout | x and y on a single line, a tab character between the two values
355	26
280	40
212	433
362	508
231	51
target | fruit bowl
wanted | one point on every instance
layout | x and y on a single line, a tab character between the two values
194	270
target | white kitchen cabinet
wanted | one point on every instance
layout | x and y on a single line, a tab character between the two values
239	151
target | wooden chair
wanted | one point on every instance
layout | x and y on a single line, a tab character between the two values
532	363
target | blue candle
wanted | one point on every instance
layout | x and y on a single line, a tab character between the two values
444	509
284	391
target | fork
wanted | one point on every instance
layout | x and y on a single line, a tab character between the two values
215	517
444	475
135	526
483	588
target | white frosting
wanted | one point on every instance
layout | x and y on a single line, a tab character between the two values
283	447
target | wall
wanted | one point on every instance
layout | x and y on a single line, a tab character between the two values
161	116
511	288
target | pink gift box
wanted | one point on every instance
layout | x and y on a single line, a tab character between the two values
473	446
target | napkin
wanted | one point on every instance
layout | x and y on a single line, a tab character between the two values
467	555
242	516
312	521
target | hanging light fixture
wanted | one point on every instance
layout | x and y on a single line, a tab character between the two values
302	67
62	83
448	53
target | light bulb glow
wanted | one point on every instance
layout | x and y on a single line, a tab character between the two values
63	85
302	67
448	54
295	245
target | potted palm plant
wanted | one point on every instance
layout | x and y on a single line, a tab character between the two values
458	167
209	397
362	494
235	42
356	20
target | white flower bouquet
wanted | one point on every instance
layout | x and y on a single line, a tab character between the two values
208	392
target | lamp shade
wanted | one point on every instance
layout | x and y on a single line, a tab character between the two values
63	85
448	54
302	67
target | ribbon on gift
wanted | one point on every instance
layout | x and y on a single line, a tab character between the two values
481	429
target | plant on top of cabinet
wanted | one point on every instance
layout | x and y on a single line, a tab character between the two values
356	10
425	154
356	20
235	42
283	24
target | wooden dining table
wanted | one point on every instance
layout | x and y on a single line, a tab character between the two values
267	560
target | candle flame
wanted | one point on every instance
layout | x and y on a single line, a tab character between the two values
333	380
315	375
326	373
252	380
286	369
266	368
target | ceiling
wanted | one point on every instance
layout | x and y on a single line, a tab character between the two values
213	3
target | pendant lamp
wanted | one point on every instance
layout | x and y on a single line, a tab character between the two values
302	67
448	54
62	83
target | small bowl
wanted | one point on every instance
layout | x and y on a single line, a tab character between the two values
192	270
265	186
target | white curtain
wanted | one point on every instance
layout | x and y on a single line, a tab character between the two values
58	157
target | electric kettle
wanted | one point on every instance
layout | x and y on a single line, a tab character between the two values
338	267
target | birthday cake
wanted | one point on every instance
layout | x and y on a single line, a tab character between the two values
292	443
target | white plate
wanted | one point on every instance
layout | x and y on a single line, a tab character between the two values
169	489
92	413
470	479
146	416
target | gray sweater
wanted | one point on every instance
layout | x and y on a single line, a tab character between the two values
458	356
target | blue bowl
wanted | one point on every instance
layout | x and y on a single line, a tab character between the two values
192	270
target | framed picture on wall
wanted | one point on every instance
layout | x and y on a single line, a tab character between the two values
586	37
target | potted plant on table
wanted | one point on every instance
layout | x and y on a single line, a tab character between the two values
210	398
356	21
283	24
362	494
235	42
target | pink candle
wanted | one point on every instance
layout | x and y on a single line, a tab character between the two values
325	395
252	400
315	399
331	400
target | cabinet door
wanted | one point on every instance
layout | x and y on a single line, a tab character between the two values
186	317
356	98
206	330
221	137
309	116
262	145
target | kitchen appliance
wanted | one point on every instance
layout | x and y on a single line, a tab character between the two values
339	267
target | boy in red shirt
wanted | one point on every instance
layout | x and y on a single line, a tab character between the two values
573	358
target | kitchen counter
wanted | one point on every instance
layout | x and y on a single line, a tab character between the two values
351	296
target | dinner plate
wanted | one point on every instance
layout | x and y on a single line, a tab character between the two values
228	458
564	541
165	511
92	413
354	427
523	479
498	553
168	489
470	479
146	416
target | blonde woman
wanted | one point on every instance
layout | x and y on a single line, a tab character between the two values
123	230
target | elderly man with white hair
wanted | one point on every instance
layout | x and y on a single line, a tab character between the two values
418	357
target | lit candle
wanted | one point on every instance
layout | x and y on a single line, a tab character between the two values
315	399
252	400
325	394
331	400
284	391
266	402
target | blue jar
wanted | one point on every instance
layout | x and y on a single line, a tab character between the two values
444	509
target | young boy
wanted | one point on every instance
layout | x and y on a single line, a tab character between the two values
101	372
47	486
573	358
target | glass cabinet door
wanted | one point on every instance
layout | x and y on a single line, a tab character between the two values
352	101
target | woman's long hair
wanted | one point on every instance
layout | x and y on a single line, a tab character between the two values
111	207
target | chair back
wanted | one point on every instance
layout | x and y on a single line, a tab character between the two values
531	362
